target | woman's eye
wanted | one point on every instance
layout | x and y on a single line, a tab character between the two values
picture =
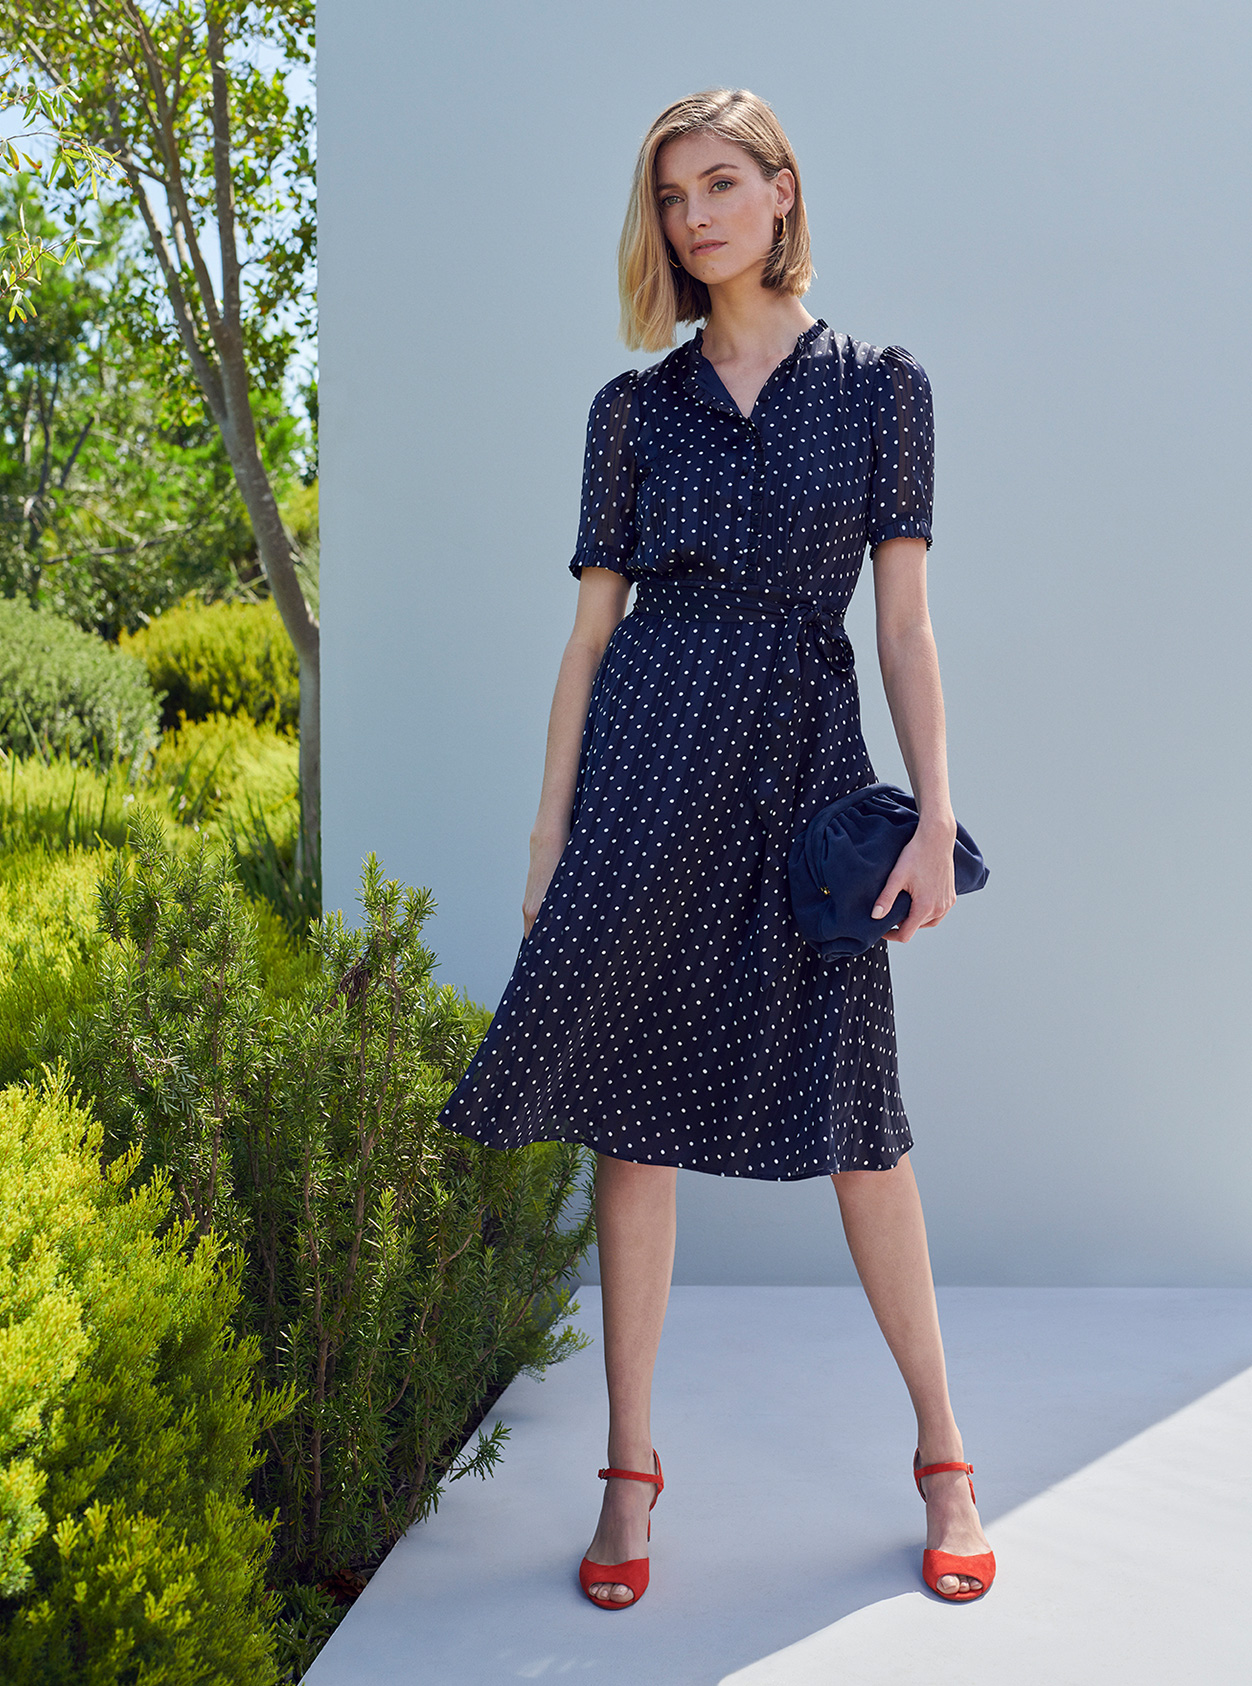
724	182
670	199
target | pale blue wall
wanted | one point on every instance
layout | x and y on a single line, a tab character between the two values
1047	205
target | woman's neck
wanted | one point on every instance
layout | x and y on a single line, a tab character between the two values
750	323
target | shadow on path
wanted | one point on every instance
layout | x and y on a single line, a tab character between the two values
787	1438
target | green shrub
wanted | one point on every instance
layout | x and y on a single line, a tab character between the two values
129	1418
65	690
51	944
241	781
398	1275
53	803
271	870
209	775
220	658
216	769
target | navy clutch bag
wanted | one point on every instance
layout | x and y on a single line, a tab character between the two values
844	856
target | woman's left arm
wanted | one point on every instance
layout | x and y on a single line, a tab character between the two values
910	676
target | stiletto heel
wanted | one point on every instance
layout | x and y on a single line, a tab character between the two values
937	1564
634	1572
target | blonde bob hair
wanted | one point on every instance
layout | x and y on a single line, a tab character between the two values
655	295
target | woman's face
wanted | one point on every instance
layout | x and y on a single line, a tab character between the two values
718	211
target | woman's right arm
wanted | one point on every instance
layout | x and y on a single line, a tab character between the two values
602	595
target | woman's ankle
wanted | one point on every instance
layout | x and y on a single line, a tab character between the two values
940	1443
632	1457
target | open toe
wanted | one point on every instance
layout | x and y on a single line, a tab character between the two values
941	1565
632	1574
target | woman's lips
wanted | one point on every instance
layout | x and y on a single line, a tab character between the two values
706	246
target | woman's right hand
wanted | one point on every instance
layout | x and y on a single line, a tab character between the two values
545	852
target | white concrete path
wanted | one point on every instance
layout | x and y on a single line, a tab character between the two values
1111	1433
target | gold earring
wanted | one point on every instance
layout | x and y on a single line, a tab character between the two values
783	235
669	253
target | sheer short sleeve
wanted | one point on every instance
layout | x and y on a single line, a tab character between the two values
607	534
902	487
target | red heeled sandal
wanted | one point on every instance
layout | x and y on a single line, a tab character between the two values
937	1564
633	1573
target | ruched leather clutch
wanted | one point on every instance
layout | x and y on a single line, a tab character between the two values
841	860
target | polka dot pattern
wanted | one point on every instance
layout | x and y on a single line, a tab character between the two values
638	1019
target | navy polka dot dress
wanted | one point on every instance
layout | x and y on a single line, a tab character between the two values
664	1008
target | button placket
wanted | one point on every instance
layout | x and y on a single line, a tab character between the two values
758	490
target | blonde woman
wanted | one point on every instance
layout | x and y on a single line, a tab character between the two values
663	1008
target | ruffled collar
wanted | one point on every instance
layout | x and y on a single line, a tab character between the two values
706	383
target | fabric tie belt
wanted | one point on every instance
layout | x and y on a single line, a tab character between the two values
813	643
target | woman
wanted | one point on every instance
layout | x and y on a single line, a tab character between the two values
664	1009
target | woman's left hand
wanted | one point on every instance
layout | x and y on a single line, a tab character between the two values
926	871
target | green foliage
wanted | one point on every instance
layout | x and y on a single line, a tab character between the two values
129	1419
57	818
79	165
226	778
206	776
397	1274
219	166
65	690
144	76
56	804
241	782
213	771
116	493
49	946
309	1617
300	514
220	658
272	871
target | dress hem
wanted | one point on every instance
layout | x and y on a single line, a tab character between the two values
681	1165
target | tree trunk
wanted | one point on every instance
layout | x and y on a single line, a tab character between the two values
278	560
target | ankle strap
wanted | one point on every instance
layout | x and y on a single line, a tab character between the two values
637	1475
967	1470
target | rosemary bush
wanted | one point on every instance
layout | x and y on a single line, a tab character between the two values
51	944
396	1275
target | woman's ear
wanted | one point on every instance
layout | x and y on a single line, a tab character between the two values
785	190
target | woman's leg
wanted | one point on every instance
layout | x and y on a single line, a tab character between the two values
636	1224
882	1219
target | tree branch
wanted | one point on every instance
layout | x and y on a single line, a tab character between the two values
27	398
170	151
34	503
78	445
97	552
223	181
207	373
